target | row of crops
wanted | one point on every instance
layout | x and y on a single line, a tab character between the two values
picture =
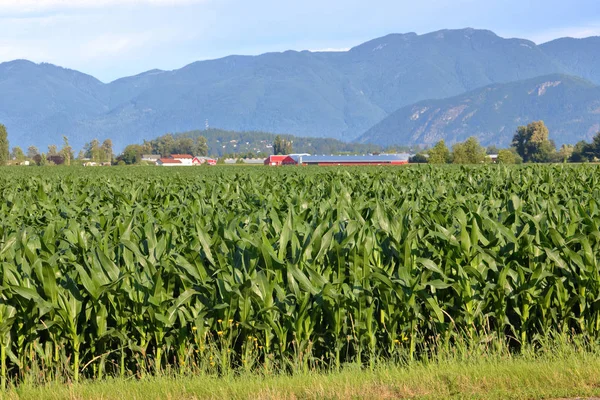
135	271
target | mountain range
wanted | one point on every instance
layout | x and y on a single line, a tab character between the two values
364	94
569	106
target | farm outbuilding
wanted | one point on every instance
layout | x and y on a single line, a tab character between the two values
169	162
275	160
379	159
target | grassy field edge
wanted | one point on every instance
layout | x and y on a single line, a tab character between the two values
542	377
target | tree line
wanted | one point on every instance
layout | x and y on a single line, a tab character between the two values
164	146
530	144
99	153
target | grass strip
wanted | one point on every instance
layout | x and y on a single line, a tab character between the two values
544	377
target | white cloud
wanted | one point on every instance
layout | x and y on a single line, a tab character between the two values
25	6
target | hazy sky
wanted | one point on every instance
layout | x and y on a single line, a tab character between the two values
115	38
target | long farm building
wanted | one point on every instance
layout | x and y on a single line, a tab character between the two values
365	160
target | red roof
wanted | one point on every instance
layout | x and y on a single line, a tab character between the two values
275	159
181	156
169	161
289	161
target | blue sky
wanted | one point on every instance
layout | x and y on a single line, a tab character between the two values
115	38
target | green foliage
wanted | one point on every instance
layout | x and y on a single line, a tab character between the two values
179	144
508	156
4	146
43	160
137	271
418	159
132	154
107	151
222	143
32	151
439	154
17	153
469	152
532	144
282	146
492	150
92	150
67	152
52	150
565	153
583	151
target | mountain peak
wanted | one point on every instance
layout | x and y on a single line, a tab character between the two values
566	103
337	95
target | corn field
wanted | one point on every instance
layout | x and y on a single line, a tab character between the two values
127	272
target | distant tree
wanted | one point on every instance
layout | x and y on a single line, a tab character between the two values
66	152
81	155
439	154
106	151
508	156
468	152
92	150
492	150
281	146
532	143
582	152
565	153
18	154
32	151
183	145
132	154
57	159
418	159
147	147
43	160
4	147
52	150
200	146
163	145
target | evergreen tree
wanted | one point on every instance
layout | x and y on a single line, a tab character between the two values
281	146
4	152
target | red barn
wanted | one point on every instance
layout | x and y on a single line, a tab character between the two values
275	160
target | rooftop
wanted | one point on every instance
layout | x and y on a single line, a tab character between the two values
369	158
